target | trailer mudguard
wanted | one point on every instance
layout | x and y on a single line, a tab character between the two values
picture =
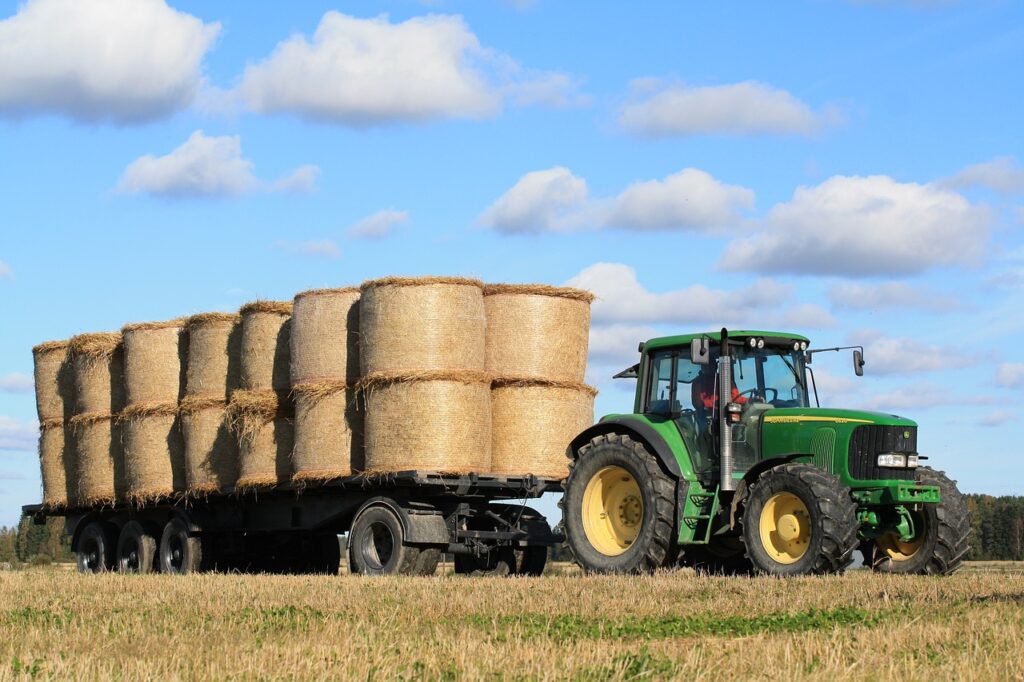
638	430
422	526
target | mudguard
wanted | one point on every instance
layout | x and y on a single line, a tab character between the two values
637	430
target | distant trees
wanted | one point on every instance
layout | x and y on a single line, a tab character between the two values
31	543
998	525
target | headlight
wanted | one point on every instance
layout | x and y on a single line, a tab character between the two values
911	461
892	460
803	345
752	341
760	343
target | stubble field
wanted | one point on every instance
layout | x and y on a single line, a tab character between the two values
59	624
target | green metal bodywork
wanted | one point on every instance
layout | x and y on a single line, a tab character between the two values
818	436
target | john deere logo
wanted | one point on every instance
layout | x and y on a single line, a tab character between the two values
906	434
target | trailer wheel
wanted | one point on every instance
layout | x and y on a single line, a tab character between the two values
179	552
94	551
376	545
136	549
941	542
499	561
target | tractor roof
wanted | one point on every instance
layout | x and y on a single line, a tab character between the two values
684	339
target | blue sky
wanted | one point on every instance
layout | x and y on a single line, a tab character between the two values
848	170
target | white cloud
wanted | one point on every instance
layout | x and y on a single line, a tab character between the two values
5	271
378	225
318	248
888	355
365	71
1010	374
206	167
125	61
1001	174
18	435
617	344
547	200
853	296
659	109
858	226
912	397
997	418
16	382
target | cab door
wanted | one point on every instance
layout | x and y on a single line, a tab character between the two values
676	390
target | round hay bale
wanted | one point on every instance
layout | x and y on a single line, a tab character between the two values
214	355
328	427
99	459
154	362
421	324
325	335
56	463
537	331
154	451
97	362
54	381
266	328
211	451
263	422
533	422
427	421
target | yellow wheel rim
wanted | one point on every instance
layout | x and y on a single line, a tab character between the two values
613	510
891	546
785	528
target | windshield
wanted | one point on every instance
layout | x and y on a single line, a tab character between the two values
770	375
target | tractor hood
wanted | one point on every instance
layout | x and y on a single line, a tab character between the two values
811	415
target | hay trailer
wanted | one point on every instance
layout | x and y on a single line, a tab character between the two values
400	523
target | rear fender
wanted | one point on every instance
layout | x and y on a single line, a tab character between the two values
638	431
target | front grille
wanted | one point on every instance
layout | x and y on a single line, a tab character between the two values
867	442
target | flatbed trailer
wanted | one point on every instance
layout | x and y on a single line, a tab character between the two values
397	523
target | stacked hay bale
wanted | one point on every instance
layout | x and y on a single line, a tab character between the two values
537	338
154	448
213	373
97	362
424	385
261	412
55	394
324	373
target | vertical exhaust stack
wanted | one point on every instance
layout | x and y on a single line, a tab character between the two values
724	398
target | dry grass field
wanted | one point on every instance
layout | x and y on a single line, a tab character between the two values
57	624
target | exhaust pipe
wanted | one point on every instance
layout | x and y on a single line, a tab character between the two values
724	398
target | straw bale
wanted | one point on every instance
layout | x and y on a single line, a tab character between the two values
533	422
214	355
427	421
328	430
211	451
263	421
99	459
266	328
325	335
154	361
97	362
56	463
537	331
154	451
431	323
54	383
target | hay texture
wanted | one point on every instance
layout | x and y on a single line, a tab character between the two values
98	366
99	460
266	328
421	324
325	336
328	430
427	421
154	451
214	355
537	331
54	381
263	422
56	463
533	422
154	362
211	450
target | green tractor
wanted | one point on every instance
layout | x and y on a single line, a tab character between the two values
725	466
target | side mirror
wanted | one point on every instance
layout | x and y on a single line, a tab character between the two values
858	363
700	353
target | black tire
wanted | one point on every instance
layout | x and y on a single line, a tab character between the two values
650	550
721	556
376	545
136	549
831	520
500	561
531	560
947	530
94	550
180	552
326	554
427	561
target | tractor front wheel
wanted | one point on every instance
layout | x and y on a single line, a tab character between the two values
799	520
618	508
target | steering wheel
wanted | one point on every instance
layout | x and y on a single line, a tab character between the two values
756	397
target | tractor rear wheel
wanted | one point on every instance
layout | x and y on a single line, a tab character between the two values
618	508
941	541
799	520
